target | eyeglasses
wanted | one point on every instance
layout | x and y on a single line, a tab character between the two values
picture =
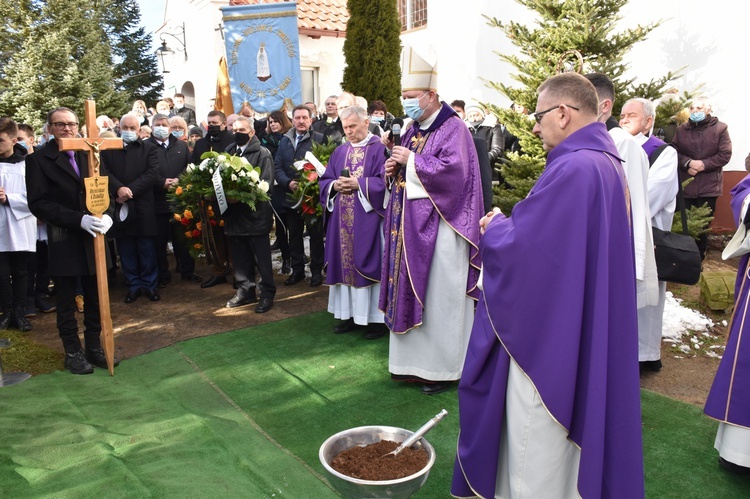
61	125
538	116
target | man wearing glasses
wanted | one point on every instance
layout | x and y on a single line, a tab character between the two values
549	398
54	180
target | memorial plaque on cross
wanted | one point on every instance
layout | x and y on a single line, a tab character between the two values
97	202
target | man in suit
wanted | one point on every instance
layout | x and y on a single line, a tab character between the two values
54	181
293	147
248	229
173	159
217	138
181	110
133	173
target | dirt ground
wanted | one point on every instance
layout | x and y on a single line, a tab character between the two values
187	311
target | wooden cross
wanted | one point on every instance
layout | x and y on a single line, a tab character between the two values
97	202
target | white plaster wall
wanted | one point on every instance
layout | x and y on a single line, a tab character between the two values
707	38
327	54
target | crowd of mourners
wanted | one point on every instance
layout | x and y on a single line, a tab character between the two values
410	247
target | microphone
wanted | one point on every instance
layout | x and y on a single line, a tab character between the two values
396	131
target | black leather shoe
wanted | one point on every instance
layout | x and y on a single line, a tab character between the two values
375	331
295	278
97	358
153	295
264	306
650	365
192	277
734	468
286	267
132	296
76	363
437	387
346	326
44	304
242	298
163	283
6	320
21	322
213	281
316	280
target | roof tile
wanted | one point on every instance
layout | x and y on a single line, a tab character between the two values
326	16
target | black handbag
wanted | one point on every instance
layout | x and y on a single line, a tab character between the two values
678	258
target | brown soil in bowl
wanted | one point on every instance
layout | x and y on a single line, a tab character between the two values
370	462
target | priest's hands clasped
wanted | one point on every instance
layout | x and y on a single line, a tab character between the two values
346	185
94	225
485	221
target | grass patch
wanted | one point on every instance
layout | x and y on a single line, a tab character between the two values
26	355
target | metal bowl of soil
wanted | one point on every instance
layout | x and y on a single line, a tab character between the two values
355	488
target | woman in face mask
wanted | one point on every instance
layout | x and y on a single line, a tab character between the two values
178	128
703	147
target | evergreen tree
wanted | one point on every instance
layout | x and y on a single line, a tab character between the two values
67	51
372	51
577	35
135	72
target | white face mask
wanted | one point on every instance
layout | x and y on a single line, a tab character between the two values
161	132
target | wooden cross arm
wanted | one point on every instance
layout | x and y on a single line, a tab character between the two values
84	144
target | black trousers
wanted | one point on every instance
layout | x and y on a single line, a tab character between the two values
248	254
711	202
296	227
168	230
13	279
38	276
67	325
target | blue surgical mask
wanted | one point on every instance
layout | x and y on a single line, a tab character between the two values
178	134
160	132
412	108
376	119
23	144
129	136
697	117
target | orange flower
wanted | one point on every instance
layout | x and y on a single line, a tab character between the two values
221	223
312	176
178	191
189	235
187	214
177	217
198	246
199	226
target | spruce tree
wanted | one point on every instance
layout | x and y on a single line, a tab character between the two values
372	51
135	72
584	26
63	54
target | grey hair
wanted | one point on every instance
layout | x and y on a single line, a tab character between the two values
250	121
159	116
353	110
137	118
647	105
706	101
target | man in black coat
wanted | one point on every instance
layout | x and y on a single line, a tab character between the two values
217	138
293	147
133	173
54	182
184	112
173	159
248	230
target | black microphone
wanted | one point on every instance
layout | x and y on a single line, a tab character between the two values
396	131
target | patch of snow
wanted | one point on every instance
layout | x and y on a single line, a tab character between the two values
678	320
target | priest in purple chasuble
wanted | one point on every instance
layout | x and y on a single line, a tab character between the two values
549	400
353	214
431	257
729	399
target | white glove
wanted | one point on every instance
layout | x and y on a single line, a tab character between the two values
88	222
102	225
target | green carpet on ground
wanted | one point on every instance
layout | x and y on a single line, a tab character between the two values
242	414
